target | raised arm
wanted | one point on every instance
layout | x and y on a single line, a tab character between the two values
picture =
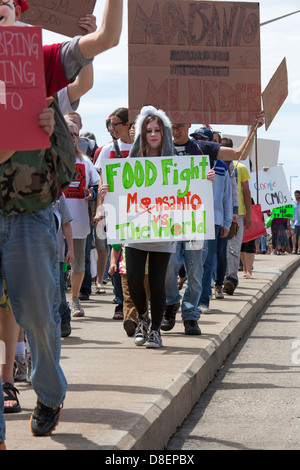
83	83
108	35
242	152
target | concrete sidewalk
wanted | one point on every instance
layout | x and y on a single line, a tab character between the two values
124	397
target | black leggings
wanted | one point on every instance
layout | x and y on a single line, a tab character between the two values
135	269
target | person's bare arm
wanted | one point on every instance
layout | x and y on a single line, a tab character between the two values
108	35
83	83
85	80
247	201
67	231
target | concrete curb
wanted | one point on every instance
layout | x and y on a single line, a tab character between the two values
160	422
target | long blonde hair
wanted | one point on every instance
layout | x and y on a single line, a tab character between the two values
144	149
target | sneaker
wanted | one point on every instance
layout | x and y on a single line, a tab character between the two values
154	340
44	419
77	310
20	369
65	329
168	320
191	327
229	287
205	309
218	292
84	294
129	326
141	333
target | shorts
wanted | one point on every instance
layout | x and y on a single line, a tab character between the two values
78	265
100	237
248	247
296	230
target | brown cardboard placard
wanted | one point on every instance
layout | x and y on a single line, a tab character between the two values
59	16
275	93
198	61
22	89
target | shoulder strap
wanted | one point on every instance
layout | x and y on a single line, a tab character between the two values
117	149
201	151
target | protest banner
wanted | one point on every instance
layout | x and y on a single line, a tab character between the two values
198	61
58	16
22	88
272	186
158	199
284	212
275	93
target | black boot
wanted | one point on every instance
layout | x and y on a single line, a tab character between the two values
168	320
191	327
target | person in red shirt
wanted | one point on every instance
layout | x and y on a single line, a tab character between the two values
63	62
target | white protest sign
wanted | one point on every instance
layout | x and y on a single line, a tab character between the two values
158	199
273	190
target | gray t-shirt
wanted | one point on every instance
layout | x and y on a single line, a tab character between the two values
72	59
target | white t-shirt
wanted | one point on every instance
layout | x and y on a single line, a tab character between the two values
109	151
61	209
75	194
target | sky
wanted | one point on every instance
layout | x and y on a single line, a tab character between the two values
279	39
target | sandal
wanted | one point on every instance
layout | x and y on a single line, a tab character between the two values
100	290
118	316
8	388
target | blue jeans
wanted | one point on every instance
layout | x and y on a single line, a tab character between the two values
209	252
29	262
192	259
221	261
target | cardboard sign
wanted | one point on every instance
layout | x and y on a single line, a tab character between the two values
158	199
58	16
275	93
198	61
273	190
22	88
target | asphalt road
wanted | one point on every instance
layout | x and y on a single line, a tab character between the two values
254	401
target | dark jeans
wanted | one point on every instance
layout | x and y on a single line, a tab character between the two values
135	268
87	281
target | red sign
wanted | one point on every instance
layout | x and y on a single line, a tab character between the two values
22	88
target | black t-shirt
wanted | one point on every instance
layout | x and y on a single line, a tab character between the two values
199	147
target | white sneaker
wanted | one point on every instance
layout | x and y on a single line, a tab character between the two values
218	292
141	333
76	309
154	339
205	309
